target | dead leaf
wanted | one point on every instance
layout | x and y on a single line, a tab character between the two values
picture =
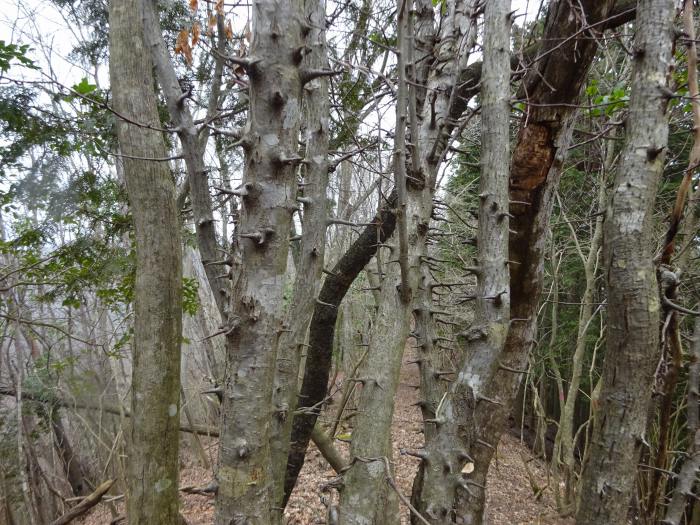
182	46
196	31
229	30
211	24
193	5
468	468
219	7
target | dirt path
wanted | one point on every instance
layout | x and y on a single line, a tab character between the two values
510	500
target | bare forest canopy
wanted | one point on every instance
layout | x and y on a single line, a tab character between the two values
234	233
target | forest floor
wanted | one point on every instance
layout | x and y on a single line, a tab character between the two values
514	477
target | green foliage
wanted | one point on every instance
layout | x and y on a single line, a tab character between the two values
18	53
190	295
606	104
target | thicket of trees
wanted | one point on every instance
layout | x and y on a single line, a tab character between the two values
272	205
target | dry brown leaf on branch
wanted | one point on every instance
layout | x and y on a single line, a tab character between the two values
229	30
211	24
182	46
193	5
219	7
196	31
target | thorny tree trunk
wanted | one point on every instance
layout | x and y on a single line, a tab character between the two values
366	497
268	199
313	197
446	454
633	301
534	175
322	329
192	144
153	461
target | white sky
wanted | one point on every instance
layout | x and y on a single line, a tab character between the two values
37	21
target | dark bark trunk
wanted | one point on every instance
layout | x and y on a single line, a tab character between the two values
322	329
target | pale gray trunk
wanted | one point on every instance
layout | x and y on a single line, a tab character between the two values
366	496
192	144
535	170
153	453
633	300
447	453
245	474
313	197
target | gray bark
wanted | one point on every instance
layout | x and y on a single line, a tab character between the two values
534	175
192	145
366	496
153	460
313	198
256	321
633	301
447	453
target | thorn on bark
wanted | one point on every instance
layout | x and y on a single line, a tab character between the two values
307	75
299	54
653	153
278	100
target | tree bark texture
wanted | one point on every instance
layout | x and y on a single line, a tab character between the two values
192	148
153	460
366	496
564	58
447	452
322	329
313	198
633	296
256	319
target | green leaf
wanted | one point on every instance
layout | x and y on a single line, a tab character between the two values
84	88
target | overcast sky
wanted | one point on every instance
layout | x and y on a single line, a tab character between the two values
27	21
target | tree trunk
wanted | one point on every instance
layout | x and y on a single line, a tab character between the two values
313	197
633	300
447	453
192	145
322	329
256	320
153	460
535	170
